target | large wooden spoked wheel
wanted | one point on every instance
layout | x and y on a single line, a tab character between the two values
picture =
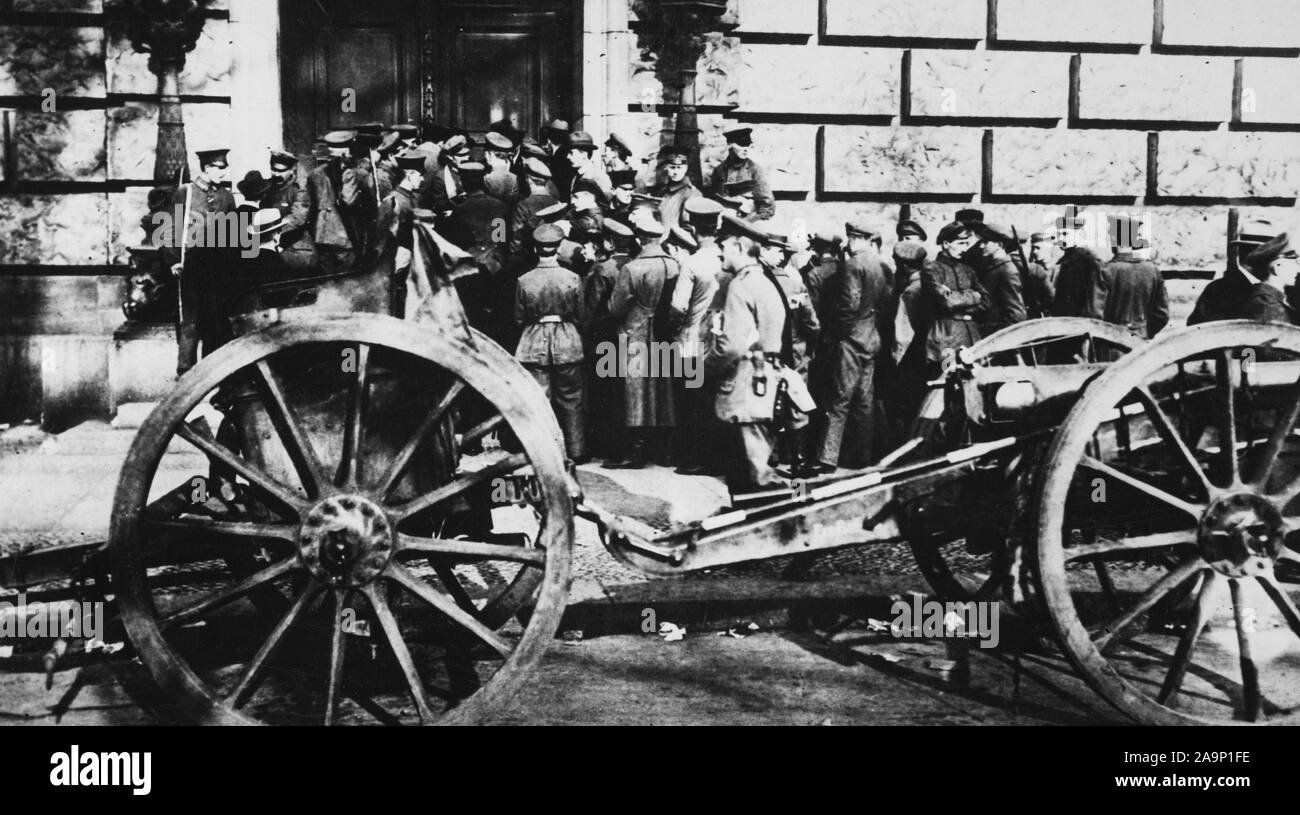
361	478
1168	525
949	565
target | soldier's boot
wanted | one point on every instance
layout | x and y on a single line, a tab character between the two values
636	455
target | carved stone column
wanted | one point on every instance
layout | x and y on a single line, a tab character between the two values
674	31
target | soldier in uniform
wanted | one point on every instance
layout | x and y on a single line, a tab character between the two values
549	309
953	297
1137	298
501	183
294	203
1224	298
331	234
999	276
203	274
442	189
738	167
1040	279
863	295
1275	264
617	155
1081	285
803	329
649	409
360	191
524	219
394	239
909	230
676	188
605	414
693	296
751	342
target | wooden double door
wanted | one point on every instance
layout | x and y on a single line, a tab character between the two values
461	64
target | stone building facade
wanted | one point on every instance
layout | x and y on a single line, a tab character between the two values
1184	110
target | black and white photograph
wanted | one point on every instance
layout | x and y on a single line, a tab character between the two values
651	362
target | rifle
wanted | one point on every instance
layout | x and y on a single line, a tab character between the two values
640	196
185	228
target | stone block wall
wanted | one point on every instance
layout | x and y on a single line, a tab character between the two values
78	117
1180	110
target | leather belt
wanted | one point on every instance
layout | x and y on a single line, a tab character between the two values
549	318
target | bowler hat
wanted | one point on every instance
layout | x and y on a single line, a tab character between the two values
253	185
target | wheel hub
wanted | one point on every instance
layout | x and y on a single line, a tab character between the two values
1241	534
346	540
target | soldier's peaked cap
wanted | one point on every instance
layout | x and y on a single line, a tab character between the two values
953	231
743	136
682	238
282	160
212	155
910	227
702	208
969	215
499	141
339	138
537	168
412	160
617	229
548	235
862	229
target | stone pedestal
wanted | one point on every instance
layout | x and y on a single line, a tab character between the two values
141	364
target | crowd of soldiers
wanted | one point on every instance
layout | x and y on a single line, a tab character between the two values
787	356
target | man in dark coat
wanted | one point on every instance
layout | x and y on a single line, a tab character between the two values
207	256
1276	264
1081	283
605	413
443	188
676	188
1137	298
861	299
999	276
953	297
478	225
1224	298
739	167
331	235
294	203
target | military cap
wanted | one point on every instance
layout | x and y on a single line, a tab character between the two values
456	145
910	253
682	238
992	232
280	160
969	215
553	213
406	130
1255	232
953	231
615	141
144	252
391	141
1126	231
213	156
339	138
1270	251
499	141
438	133
731	225
617	229
1039	237
473	168
537	168
702	206
743	136
370	128
265	222
253	185
530	147
910	227
412	160
646	225
548	235
558	126
734	193
673	155
862	229
623	178
588	185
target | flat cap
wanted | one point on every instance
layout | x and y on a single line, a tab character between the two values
910	253
616	141
910	227
548	235
537	168
953	231
581	140
473	168
862	229
992	232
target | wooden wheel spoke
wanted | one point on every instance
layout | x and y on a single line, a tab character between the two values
502	466
1150	490
492	551
481	429
1184	571
403	655
1187	642
1283	601
1228	432
245	531
228	594
403	458
349	471
336	658
295	441
1169	432
282	496
1249	670
1137	543
1277	439
455	588
253	673
448	607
